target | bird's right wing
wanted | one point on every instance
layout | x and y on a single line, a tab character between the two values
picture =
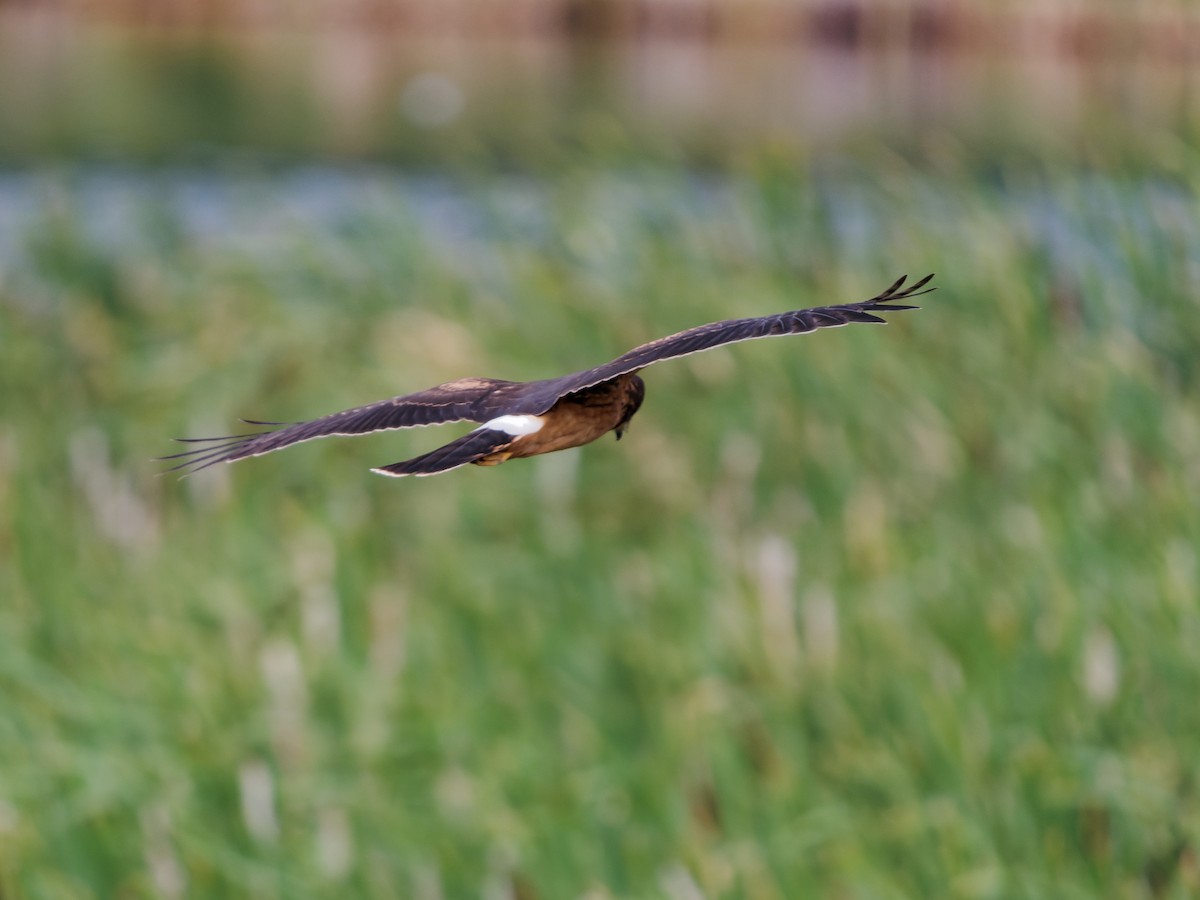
705	337
468	399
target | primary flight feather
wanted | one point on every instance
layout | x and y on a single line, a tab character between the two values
528	418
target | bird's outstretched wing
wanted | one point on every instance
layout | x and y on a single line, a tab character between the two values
468	399
471	447
705	337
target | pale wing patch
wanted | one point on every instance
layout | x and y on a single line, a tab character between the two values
467	384
516	426
383	471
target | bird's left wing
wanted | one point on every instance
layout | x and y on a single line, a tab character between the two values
470	448
469	399
705	337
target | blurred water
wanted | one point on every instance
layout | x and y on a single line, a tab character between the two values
70	88
113	209
1082	222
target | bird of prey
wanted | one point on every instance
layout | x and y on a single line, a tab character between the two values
527	418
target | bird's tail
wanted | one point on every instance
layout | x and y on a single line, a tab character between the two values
474	447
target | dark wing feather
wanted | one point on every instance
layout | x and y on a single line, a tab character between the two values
704	337
469	399
469	448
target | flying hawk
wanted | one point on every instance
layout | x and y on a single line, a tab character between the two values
527	418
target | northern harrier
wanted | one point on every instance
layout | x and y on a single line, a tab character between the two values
532	417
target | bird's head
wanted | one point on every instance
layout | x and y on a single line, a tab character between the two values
635	394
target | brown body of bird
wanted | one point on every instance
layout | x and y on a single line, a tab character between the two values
529	418
579	419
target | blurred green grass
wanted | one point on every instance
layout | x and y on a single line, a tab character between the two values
899	612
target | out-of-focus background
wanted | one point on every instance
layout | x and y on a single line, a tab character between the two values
874	613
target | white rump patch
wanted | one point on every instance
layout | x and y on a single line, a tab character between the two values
514	425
